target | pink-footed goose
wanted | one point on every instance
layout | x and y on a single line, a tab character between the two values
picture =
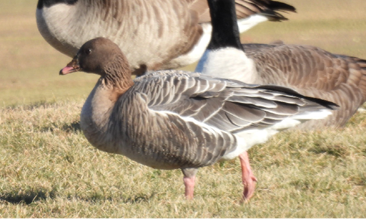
174	119
159	34
308	70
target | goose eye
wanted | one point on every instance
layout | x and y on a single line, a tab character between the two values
88	51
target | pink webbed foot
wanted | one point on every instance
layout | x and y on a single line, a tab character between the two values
249	180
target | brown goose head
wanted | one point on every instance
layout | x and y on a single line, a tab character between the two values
103	57
99	56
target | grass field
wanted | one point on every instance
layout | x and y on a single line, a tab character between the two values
48	169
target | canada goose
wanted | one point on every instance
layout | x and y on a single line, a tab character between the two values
159	34
309	70
174	119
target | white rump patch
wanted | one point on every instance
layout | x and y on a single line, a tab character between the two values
295	120
319	114
248	139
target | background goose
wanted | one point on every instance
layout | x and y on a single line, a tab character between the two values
154	35
309	70
174	119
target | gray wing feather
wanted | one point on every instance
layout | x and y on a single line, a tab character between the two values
191	120
225	104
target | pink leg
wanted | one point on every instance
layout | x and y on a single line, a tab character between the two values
247	176
189	186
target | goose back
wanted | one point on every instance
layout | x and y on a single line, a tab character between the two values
313	72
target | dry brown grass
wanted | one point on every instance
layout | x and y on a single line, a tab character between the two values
48	169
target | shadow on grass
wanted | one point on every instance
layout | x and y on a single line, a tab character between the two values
73	127
139	198
333	150
68	128
28	197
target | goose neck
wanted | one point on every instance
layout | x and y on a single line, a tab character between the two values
117	75
225	30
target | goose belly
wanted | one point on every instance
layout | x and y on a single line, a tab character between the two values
67	28
51	30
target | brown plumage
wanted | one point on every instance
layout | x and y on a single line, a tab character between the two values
158	34
175	119
313	72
